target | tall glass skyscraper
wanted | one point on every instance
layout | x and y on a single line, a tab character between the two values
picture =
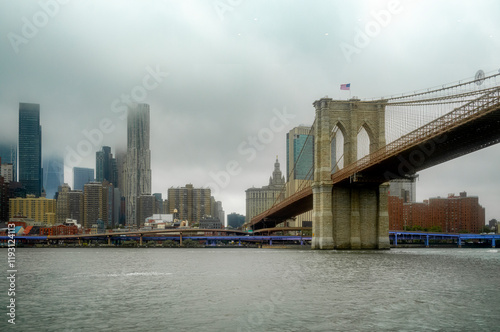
138	162
53	174
300	154
30	148
299	166
106	166
82	176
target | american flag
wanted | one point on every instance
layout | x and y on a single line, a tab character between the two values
345	86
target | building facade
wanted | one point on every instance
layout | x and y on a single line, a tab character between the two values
30	148
137	171
53	174
260	199
75	206
40	209
62	204
145	208
106	166
82	176
8	154
235	220
404	188
191	203
299	167
95	204
454	214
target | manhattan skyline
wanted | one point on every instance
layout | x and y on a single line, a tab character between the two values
216	79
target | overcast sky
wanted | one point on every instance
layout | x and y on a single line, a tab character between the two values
218	72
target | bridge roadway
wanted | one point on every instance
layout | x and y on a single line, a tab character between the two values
471	127
395	236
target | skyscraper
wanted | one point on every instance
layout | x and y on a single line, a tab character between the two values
299	153
138	162
106	166
8	153
82	176
30	148
191	203
53	174
299	166
261	199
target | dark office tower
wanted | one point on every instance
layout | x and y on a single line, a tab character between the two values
53	174
30	148
106	167
82	176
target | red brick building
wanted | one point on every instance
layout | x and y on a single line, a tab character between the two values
453	214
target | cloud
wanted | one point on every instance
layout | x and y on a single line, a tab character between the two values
226	76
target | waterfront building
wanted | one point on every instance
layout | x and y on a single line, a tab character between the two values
260	199
217	210
457	214
137	170
75	205
40	209
453	214
210	223
145	208
30	148
235	220
299	167
82	176
191	203
95	204
62	204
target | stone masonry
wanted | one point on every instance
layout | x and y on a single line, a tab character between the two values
353	215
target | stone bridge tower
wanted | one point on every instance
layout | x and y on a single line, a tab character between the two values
352	215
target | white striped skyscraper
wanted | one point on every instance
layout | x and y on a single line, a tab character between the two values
138	161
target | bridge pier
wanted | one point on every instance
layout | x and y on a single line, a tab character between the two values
109	240
361	219
493	244
322	227
140	240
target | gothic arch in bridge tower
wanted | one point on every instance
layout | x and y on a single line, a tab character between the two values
347	215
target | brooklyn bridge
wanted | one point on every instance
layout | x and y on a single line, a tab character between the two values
347	192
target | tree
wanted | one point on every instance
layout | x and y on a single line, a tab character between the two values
436	229
190	244
170	244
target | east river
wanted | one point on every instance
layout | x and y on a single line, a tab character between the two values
159	289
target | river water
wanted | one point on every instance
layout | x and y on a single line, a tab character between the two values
159	289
